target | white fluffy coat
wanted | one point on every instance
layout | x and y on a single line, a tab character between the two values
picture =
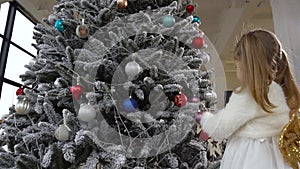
243	117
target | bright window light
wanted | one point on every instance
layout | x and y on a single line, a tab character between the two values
3	16
15	64
23	33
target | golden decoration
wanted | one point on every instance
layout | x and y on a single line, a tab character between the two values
121	4
289	141
198	128
214	147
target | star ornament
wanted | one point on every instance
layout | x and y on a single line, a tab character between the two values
214	147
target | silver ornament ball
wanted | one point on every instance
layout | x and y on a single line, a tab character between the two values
52	18
82	31
210	96
22	107
205	57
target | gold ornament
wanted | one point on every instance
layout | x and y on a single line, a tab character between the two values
23	106
198	130
214	147
121	4
289	141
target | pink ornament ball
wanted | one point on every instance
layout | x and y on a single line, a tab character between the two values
198	117
198	42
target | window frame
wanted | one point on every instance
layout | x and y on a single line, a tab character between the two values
6	42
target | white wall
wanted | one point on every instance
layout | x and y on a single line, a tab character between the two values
286	16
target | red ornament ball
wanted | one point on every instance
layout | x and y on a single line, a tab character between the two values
198	42
76	91
180	100
20	91
190	9
203	136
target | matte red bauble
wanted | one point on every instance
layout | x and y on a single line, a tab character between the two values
180	100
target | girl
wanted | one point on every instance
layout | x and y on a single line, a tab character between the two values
258	110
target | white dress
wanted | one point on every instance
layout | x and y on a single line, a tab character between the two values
245	153
252	133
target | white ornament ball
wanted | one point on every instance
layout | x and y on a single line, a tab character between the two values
132	69
62	133
87	113
82	31
205	57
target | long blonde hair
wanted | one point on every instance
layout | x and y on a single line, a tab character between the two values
263	60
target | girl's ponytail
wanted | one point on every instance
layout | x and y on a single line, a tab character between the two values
285	78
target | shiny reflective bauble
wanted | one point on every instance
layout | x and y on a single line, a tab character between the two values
168	21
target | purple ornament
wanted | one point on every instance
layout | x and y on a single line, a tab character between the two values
198	117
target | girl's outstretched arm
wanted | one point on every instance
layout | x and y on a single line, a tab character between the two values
240	109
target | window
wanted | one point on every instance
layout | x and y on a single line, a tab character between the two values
3	16
15	64
16	51
23	33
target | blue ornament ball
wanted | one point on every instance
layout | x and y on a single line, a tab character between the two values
59	25
130	105
196	19
168	21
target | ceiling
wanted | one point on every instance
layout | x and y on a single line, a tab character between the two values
223	21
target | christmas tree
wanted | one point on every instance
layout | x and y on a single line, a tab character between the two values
115	84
